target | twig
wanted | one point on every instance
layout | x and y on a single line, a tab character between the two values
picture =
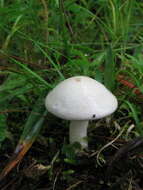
74	185
108	144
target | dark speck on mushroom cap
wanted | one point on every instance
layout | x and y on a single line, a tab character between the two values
77	79
81	98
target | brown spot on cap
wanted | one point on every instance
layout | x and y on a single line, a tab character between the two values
78	79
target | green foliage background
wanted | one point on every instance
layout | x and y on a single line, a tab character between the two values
46	41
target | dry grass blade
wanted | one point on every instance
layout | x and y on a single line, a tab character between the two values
108	144
19	153
31	131
75	185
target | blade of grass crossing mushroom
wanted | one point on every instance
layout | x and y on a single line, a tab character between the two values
30	133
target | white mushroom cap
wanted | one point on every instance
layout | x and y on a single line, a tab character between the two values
81	98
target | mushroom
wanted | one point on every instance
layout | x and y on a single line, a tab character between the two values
80	99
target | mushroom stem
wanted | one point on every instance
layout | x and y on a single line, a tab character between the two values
78	132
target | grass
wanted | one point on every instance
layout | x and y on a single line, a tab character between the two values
44	42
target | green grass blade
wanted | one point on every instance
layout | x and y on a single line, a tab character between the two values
35	75
30	127
109	72
135	117
3	119
50	60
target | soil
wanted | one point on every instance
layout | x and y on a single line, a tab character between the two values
45	166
